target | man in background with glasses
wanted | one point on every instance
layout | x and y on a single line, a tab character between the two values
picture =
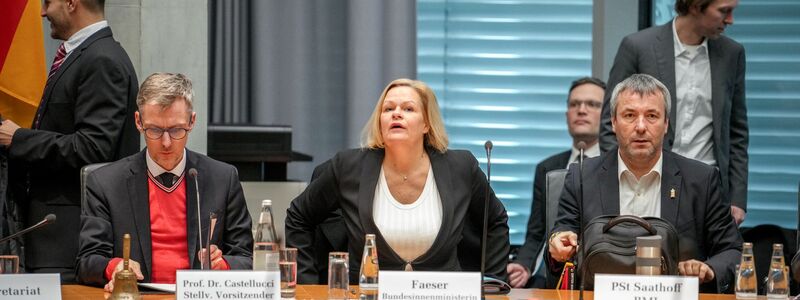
584	102
153	196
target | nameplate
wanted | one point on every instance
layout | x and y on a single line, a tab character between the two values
429	285
30	286
642	287
196	284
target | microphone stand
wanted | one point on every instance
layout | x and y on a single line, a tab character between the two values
581	147
488	146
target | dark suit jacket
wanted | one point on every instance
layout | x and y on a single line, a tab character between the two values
651	51
117	203
349	184
705	228
535	236
87	118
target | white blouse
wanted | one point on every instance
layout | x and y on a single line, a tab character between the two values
409	229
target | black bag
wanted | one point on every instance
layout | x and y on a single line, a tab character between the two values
610	246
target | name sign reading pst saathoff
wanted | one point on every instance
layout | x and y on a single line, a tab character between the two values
429	285
196	284
30	286
643	287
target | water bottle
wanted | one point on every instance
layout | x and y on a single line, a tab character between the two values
265	252
778	277
368	276
746	275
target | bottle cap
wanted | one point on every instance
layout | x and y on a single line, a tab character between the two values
266	202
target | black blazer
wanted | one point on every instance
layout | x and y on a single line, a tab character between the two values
535	235
705	227
349	183
118	203
87	118
651	51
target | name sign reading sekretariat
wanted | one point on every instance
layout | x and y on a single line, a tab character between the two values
645	287
196	284
429	285
30	286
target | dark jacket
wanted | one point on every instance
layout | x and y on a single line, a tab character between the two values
349	184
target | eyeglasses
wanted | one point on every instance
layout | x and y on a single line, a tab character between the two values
175	133
573	104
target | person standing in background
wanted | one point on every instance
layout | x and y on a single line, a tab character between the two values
704	72
85	116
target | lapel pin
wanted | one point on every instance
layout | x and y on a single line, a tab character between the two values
672	193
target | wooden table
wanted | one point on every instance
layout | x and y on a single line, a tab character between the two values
74	292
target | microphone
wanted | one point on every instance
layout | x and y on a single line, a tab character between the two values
193	174
581	145
48	219
488	146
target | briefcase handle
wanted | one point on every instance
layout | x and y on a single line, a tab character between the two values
632	219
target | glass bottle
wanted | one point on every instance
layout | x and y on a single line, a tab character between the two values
265	252
368	276
778	277
746	281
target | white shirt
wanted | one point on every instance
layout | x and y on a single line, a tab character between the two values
79	37
693	132
156	170
592	151
409	229
640	197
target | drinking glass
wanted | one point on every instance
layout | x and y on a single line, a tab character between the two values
338	275
9	264
288	266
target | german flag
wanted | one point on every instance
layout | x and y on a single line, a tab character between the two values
22	60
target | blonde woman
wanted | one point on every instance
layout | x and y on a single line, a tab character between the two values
423	201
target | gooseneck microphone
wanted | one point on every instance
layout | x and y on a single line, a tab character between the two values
488	146
48	219
581	145
193	174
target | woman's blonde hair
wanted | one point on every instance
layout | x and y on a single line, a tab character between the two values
436	136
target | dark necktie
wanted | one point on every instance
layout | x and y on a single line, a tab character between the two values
167	179
58	60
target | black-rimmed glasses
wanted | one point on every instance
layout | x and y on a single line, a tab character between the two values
175	133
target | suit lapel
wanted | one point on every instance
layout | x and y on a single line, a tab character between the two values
609	184
370	171
444	182
191	208
664	49
140	203
718	75
670	189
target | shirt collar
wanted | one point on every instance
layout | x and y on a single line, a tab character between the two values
622	167
678	46
592	151
156	170
79	37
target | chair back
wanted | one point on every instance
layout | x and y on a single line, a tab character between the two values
85	171
554	185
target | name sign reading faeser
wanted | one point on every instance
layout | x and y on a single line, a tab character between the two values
30	286
429	285
644	287
196	284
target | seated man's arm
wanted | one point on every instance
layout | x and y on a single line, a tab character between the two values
96	241
237	244
519	271
723	240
